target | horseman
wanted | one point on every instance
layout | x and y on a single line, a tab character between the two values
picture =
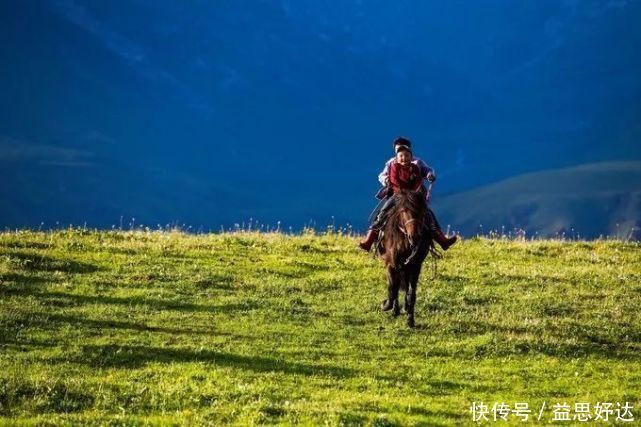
404	172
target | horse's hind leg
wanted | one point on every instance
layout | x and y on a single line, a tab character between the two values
392	292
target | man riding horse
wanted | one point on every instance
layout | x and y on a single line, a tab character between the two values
393	184
409	226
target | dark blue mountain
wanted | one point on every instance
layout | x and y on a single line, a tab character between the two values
209	113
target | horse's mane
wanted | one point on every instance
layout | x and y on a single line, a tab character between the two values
394	242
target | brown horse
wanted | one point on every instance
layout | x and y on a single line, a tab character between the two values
403	246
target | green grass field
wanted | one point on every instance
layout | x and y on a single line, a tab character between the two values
137	327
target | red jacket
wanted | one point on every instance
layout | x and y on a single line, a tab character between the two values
405	177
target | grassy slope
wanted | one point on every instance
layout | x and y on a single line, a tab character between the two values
167	327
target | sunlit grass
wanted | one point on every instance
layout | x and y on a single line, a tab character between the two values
166	327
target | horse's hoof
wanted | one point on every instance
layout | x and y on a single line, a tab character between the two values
411	323
387	305
397	310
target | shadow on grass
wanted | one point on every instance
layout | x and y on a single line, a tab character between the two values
371	413
43	397
309	248
449	415
451	279
221	282
539	280
8	339
121	251
114	356
58	299
286	273
121	324
18	244
559	348
12	329
470	328
36	262
21	280
54	321
575	341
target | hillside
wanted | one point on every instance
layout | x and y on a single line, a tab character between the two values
170	328
588	201
46	184
172	112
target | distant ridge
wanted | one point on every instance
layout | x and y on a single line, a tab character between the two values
584	201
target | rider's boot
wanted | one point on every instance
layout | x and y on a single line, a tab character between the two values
366	244
444	241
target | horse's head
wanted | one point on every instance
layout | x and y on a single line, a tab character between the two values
405	227
411	208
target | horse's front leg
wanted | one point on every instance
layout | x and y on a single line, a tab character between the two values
410	295
392	292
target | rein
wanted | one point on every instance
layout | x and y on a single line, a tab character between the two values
402	228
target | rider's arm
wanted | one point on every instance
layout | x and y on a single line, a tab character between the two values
418	181
394	178
383	177
426	170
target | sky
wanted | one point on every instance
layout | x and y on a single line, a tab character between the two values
209	113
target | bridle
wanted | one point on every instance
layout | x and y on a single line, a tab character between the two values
403	229
414	247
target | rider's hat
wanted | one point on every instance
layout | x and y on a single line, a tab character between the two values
401	141
399	148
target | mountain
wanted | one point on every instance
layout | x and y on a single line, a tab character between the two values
56	187
582	201
208	113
